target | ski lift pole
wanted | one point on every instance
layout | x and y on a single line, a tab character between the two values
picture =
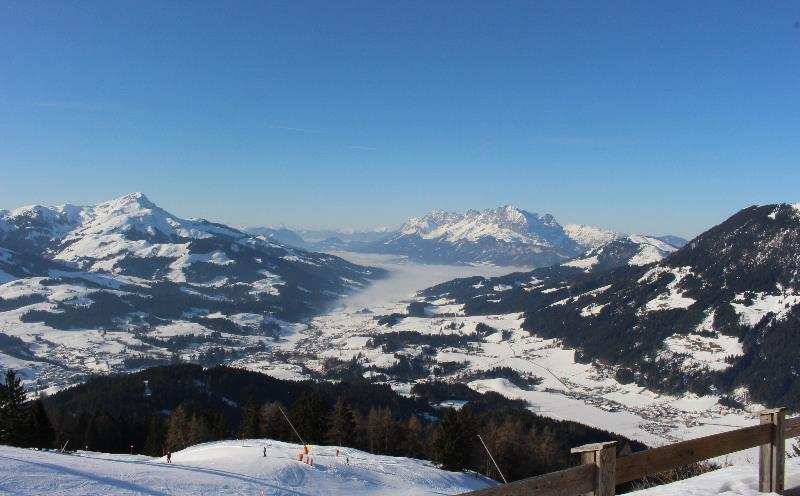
292	426
492	458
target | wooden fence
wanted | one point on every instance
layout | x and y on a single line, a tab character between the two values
601	470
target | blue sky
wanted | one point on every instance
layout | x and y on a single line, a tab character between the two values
620	114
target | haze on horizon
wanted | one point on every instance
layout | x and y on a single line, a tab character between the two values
359	115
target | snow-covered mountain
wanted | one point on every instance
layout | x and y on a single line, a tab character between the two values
280	235
504	236
718	315
590	236
622	250
131	283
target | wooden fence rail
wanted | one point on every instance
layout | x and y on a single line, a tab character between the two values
601	470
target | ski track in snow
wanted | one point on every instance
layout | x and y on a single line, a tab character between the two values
226	467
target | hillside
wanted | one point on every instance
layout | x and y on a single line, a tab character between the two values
228	467
124	284
718	315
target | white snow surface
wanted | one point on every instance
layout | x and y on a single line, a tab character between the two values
590	236
672	297
736	480
587	263
751	313
227	467
650	250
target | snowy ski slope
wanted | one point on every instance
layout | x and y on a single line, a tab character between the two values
226	467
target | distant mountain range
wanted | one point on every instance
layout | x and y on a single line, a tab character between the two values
322	239
154	284
503	236
719	315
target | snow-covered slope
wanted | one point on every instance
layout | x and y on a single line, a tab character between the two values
227	467
736	480
125	284
623	250
590	236
718	315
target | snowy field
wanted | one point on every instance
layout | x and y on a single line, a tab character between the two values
739	480
226	467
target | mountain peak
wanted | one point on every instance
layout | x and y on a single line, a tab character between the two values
512	213
136	198
505	234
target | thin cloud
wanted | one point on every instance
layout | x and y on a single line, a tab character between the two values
297	129
360	147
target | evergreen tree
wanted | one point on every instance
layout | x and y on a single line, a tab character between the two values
104	433
310	416
177	431
198	430
506	441
154	443
250	428
342	431
413	441
40	433
12	410
218	426
453	445
382	434
273	425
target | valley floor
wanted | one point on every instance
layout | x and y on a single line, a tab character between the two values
226	467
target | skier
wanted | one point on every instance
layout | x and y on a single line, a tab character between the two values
169	456
265	451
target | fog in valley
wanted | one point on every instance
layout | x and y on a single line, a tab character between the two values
406	278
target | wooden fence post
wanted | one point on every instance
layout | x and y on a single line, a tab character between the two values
771	456
604	456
